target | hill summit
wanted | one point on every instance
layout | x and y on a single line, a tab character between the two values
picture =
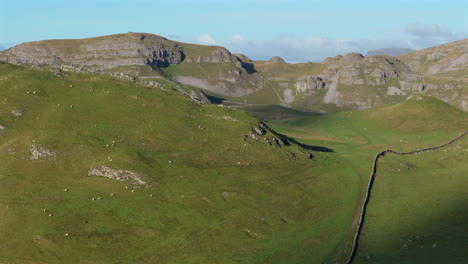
352	81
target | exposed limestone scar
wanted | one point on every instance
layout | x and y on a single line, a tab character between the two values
371	182
118	175
38	152
332	94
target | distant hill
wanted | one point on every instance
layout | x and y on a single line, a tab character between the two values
449	60
340	83
389	52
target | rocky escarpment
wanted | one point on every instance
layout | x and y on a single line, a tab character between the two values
352	81
355	69
99	53
219	55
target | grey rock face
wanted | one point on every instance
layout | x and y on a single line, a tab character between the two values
118	175
99	53
38	152
219	55
309	82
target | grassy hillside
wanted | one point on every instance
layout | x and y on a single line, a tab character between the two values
417	211
357	136
210	197
447	60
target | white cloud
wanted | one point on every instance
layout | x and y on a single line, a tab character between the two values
206	39
293	49
426	30
318	48
428	35
235	40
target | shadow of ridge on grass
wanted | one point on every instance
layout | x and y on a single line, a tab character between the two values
437	239
287	141
212	98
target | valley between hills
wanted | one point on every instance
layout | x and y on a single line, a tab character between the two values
133	148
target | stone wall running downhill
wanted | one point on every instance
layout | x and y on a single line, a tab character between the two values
371	182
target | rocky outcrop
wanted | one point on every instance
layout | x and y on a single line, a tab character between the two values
242	57
256	132
98	53
277	60
219	55
38	152
309	82
118	175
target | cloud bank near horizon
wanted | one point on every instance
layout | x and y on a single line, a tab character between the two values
317	48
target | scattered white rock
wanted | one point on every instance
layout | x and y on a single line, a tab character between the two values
17	112
65	190
38	152
3	128
118	175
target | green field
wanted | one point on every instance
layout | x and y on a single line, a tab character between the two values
417	211
215	198
210	197
357	136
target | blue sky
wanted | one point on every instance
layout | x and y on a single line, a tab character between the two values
297	30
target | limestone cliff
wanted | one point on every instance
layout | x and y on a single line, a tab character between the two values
99	53
352	81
